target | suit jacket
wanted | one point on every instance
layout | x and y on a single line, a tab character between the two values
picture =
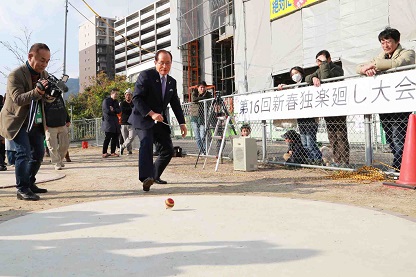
400	57
110	120
20	92
147	97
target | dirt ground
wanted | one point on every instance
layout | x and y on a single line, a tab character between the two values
90	178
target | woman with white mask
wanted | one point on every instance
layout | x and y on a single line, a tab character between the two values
308	127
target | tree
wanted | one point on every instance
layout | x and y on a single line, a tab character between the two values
88	104
20	48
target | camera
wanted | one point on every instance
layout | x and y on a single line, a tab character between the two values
55	87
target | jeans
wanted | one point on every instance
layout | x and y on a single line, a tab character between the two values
308	129
395	126
199	133
29	156
11	157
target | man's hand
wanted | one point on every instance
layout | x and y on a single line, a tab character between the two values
111	108
368	69
44	84
183	130
316	82
156	117
280	87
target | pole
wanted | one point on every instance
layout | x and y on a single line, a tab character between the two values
66	22
245	47
368	144
72	124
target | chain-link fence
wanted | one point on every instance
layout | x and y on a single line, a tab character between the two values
337	141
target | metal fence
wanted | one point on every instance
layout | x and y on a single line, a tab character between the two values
342	142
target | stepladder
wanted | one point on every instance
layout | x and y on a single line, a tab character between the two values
223	126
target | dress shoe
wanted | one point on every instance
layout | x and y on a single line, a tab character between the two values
147	183
160	181
27	195
36	189
67	158
3	168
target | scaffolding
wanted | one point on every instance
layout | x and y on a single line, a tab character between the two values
198	18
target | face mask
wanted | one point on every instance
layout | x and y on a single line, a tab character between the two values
296	78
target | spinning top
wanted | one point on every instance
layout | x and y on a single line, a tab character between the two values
169	203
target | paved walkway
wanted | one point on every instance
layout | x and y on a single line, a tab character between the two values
208	236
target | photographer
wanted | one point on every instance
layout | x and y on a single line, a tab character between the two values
57	124
3	166
14	119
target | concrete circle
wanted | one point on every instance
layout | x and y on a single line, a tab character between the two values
208	236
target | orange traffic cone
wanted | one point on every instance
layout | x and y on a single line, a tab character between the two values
407	177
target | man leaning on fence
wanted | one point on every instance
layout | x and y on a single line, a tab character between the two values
336	125
393	55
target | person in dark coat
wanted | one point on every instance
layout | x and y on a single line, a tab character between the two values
110	124
296	153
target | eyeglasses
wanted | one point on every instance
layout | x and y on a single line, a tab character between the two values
164	63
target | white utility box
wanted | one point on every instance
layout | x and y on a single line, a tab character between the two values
245	153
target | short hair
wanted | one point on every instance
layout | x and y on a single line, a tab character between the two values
299	69
202	83
245	126
323	52
162	51
114	90
389	33
38	46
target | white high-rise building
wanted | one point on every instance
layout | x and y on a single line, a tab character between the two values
96	49
139	35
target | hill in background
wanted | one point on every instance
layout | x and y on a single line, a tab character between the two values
73	87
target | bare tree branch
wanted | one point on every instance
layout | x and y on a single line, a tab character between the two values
20	48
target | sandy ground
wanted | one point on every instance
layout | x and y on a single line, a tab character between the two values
90	178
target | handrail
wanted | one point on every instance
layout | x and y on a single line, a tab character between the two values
391	70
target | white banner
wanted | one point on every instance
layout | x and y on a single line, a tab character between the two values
386	93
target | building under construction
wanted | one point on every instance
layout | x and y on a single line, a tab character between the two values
250	45
206	41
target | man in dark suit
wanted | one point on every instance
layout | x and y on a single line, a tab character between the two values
153	91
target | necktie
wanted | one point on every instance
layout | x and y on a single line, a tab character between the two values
163	79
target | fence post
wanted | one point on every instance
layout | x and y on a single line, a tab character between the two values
264	139
368	144
206	122
96	131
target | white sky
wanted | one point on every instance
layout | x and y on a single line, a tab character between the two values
46	20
